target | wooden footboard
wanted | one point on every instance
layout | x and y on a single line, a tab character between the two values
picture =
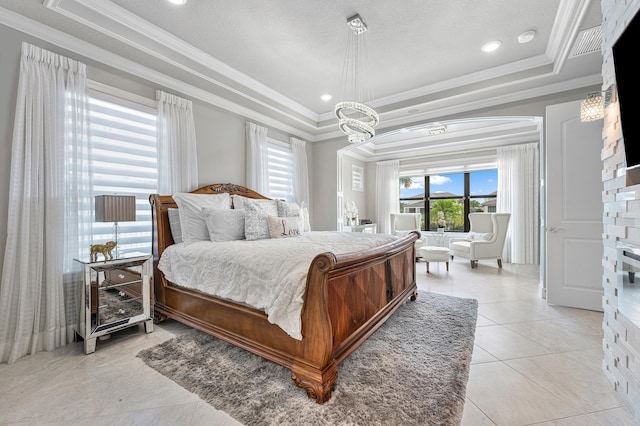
347	298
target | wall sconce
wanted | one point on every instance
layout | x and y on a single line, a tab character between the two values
592	108
115	208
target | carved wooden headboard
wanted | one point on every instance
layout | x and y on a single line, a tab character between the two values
160	205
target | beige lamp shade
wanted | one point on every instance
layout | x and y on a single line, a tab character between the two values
115	208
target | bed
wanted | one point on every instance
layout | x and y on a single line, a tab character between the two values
345	299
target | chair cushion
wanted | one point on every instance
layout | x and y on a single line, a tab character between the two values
461	246
434	254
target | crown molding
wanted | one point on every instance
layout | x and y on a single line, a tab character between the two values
120	24
90	51
471	101
565	29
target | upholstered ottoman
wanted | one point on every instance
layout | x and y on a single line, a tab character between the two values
434	254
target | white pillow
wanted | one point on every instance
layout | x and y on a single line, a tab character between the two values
256	225
284	227
286	209
174	224
256	205
306	223
224	224
479	236
190	207
290	209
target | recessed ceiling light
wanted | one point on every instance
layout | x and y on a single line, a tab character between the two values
491	46
526	36
178	2
326	97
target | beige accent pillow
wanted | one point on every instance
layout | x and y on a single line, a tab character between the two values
284	227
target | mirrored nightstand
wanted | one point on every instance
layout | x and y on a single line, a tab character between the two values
115	294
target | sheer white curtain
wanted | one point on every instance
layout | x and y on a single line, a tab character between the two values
257	173
300	171
46	197
177	156
518	194
387	193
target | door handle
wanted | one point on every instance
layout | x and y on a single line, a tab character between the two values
555	229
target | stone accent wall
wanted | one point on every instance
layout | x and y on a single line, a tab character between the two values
621	343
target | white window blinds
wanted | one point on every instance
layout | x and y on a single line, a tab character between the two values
280	170
123	154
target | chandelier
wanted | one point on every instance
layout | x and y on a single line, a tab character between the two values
355	119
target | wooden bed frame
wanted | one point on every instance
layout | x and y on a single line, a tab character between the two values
347	298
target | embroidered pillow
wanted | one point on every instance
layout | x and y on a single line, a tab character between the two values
224	224
174	224
190	208
286	209
284	227
256	205
479	236
256	225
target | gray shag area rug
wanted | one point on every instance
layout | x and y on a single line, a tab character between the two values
412	371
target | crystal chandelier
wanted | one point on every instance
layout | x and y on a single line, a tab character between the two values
355	119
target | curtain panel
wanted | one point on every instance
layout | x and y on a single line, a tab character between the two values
518	194
48	196
300	171
257	174
387	193
177	149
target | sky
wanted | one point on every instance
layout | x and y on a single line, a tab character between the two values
482	183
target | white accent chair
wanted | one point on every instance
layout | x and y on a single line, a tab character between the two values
485	239
403	223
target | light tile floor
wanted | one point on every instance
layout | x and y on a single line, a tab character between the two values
532	364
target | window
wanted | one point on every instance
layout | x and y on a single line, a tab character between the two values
280	169
455	195
357	178
124	161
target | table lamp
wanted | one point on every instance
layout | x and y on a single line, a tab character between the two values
115	208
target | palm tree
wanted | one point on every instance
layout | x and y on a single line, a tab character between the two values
453	212
406	182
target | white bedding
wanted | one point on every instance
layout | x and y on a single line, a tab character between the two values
268	274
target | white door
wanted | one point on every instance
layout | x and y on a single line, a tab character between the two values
573	217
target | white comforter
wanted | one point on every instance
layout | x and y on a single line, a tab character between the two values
266	274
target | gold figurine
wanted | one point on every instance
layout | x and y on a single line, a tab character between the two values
105	249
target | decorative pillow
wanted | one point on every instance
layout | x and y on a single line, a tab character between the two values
190	208
306	224
256	205
224	224
256	225
284	227
174	224
479	236
286	209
